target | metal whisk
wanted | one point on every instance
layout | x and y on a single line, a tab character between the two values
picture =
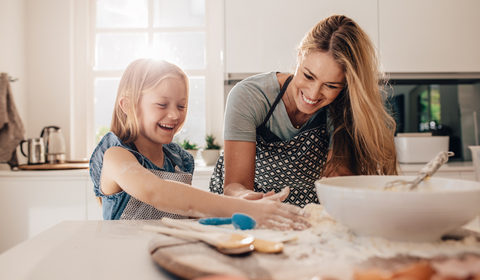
428	170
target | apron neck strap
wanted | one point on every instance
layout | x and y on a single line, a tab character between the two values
279	97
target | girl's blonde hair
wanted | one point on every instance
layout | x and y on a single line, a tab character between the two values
363	137
140	76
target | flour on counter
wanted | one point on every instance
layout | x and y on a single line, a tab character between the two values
330	245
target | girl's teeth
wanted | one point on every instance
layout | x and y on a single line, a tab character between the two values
167	126
309	101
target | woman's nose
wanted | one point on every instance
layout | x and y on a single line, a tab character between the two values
317	89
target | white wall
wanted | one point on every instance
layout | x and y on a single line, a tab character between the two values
37	47
12	50
49	64
42	44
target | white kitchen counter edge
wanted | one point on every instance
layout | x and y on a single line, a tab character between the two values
74	173
460	166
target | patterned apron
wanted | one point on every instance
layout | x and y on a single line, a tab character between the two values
296	163
137	210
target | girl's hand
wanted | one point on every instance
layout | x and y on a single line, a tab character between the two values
278	215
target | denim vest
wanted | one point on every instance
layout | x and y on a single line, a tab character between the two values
114	205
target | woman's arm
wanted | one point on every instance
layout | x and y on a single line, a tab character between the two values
239	160
121	171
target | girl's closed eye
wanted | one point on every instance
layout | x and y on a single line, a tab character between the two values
161	105
182	107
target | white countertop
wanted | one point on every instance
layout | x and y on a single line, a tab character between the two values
458	166
84	250
119	250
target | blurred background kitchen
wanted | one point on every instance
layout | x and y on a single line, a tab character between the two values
64	59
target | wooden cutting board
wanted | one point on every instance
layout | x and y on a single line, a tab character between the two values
190	260
197	259
56	166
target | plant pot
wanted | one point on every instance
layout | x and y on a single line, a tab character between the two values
210	157
193	153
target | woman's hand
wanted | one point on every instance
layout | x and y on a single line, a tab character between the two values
279	216
238	190
280	196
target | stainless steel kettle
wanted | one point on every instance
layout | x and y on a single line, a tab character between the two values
54	144
35	151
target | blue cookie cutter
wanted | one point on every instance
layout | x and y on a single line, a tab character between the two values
239	221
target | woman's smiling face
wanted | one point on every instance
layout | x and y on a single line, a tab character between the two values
318	80
162	111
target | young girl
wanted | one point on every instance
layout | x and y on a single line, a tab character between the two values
139	174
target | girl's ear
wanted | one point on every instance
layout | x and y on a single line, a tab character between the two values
124	103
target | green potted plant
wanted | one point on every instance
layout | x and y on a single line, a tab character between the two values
190	147
211	152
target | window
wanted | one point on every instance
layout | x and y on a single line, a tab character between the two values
429	107
174	30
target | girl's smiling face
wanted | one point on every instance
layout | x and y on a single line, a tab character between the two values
318	80
162	111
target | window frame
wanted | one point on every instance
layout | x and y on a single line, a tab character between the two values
83	126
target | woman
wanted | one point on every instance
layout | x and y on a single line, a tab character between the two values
328	119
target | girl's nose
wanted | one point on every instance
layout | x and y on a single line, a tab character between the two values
173	114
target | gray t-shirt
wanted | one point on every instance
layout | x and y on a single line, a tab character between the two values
248	104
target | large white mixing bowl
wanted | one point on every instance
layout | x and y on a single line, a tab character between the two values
438	206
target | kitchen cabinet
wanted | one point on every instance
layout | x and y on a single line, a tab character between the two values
429	36
432	36
262	36
201	177
33	201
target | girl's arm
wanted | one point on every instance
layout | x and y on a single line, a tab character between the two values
121	171
239	160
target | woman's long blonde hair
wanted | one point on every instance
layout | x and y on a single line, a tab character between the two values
140	76
363	137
